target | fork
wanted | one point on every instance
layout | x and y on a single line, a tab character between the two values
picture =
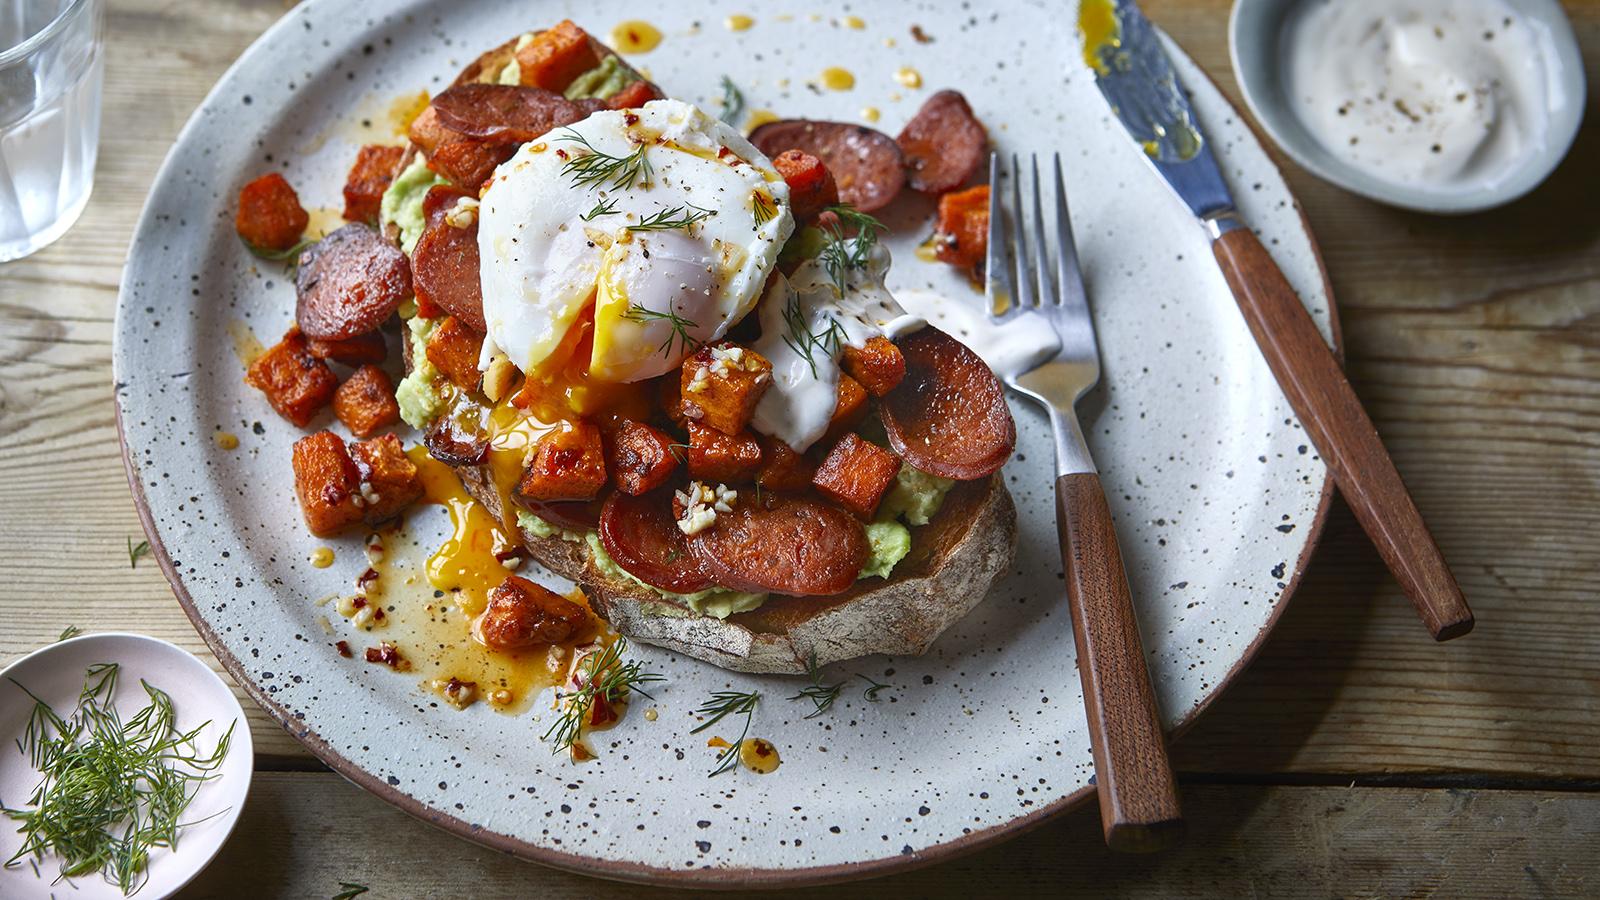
1138	795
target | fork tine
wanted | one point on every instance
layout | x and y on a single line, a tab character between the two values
998	286
1023	278
1048	293
1069	278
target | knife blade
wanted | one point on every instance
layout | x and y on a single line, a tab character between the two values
1132	70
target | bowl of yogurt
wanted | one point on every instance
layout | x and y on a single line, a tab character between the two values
1442	106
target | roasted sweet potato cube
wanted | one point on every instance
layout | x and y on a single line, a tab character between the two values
428	133
856	474
468	163
782	469
370	176
556	56
522	613
327	482
641	458
714	456
962	238
811	186
453	348
634	95
390	481
848	412
670	397
365	402
296	383
270	216
359	350
721	384
878	365
568	463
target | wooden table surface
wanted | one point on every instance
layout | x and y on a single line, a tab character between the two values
1354	758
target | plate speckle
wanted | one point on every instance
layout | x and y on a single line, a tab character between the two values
1216	495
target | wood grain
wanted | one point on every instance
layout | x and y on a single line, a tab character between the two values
302	834
1138	797
1474	343
1341	431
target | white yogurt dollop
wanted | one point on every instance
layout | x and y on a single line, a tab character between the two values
1432	94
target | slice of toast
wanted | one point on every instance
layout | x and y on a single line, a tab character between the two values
954	561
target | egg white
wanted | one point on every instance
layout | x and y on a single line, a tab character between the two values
543	263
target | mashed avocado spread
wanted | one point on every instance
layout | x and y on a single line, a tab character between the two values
419	399
402	202
915	495
601	82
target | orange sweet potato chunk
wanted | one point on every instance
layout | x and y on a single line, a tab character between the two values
568	463
962	238
359	350
327	482
369	177
811	186
721	384
641	457
390	481
714	456
856	474
848	412
556	56
878	365
782	469
296	383
522	613
270	216
453	348
365	403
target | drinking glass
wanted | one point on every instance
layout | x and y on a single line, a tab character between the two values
51	62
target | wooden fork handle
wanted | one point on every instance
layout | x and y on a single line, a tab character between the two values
1341	431
1133	777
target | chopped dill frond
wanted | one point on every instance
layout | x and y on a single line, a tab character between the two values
719	705
603	676
595	167
673	219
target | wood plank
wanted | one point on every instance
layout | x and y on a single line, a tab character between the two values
1472	340
304	833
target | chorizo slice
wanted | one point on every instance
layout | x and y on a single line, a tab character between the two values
641	535
453	444
782	545
445	264
866	164
948	417
573	515
944	143
507	112
350	283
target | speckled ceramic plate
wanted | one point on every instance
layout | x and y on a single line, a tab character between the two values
1217	497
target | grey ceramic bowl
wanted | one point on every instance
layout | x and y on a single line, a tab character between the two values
1255	30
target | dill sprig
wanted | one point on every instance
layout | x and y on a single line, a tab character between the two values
822	695
803	341
732	102
111	791
871	693
673	218
762	207
71	631
720	705
292	254
137	552
602	676
596	167
349	890
603	208
845	252
680	327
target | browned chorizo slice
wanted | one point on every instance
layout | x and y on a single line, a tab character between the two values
948	416
865	163
782	545
641	535
349	283
573	515
445	263
507	112
451	443
944	143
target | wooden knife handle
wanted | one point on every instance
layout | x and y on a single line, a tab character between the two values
1338	426
1138	796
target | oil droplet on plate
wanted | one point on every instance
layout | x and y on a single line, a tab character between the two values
854	22
908	77
837	79
635	36
759	755
404	109
650	714
738	22
322	557
227	440
758	118
870	113
888	42
246	346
